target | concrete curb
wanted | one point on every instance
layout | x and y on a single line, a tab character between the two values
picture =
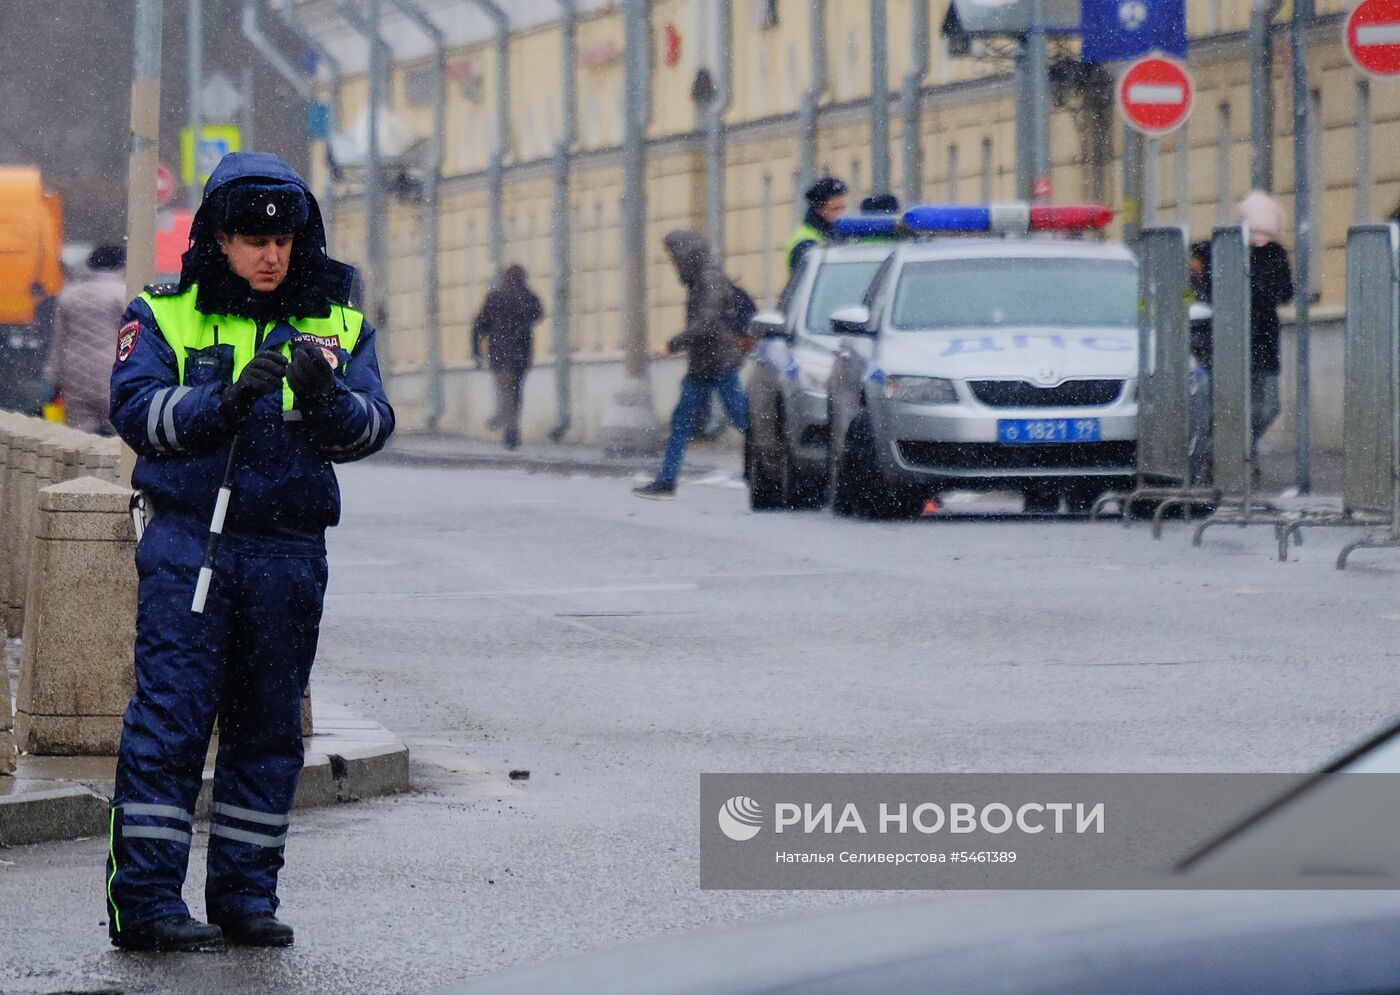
41	815
509	461
562	459
63	798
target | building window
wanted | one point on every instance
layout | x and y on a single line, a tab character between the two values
1224	182
1151	151
1182	166
1364	176
598	276
987	166
1315	190
766	237
419	87
952	174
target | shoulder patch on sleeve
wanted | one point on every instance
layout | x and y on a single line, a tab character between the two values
126	340
163	289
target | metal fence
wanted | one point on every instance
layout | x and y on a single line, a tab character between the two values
1164	384
1372	414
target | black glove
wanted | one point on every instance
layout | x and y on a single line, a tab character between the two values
310	375
262	375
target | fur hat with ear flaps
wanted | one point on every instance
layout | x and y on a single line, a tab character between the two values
260	194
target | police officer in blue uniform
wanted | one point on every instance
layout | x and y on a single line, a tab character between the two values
257	350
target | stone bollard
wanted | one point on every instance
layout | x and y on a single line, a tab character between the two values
9	457
76	666
10	425
36	456
98	456
19	477
7	723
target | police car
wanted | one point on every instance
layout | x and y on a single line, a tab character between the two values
987	363
785	454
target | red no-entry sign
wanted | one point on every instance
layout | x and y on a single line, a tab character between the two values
165	184
1155	95
1372	35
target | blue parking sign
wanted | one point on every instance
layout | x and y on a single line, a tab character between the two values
1123	30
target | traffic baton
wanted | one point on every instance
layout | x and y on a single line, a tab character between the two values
216	528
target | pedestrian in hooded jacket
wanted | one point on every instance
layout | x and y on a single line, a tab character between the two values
507	320
713	356
1270	286
258	352
80	356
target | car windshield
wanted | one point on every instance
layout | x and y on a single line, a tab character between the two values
838	285
997	293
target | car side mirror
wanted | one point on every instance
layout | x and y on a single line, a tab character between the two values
768	325
854	319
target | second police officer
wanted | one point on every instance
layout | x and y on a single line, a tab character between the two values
256	351
826	201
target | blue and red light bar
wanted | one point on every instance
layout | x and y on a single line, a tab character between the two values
870	226
975	219
1014	219
1071	217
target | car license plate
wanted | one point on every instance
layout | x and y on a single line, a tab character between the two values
1035	431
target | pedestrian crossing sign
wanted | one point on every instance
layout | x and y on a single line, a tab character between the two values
215	142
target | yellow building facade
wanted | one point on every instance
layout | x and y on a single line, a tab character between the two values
1194	177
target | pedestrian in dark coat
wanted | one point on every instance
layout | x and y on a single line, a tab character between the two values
713	356
507	320
1270	286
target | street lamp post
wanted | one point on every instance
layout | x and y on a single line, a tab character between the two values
145	146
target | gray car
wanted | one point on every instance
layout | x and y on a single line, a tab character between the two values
786	451
986	364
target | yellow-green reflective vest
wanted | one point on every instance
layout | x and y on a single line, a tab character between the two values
187	331
804	233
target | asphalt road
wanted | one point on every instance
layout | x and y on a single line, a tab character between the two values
617	648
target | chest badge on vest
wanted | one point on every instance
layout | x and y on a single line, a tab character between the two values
327	344
126	340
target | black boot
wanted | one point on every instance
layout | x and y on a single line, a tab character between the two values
262	929
175	933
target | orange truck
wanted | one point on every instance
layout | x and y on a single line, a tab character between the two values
31	235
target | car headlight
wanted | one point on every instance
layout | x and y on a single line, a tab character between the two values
920	390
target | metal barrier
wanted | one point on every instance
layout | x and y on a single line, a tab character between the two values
1372	319
1164	389
1233	455
1164	381
1372	416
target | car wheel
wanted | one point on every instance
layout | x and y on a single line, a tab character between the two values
800	491
765	484
808	492
858	490
1042	501
1080	498
1142	511
851	469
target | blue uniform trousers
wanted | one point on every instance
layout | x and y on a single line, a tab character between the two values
246	661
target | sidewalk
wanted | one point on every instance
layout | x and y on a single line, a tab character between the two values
1279	470
60	798
704	458
441	450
